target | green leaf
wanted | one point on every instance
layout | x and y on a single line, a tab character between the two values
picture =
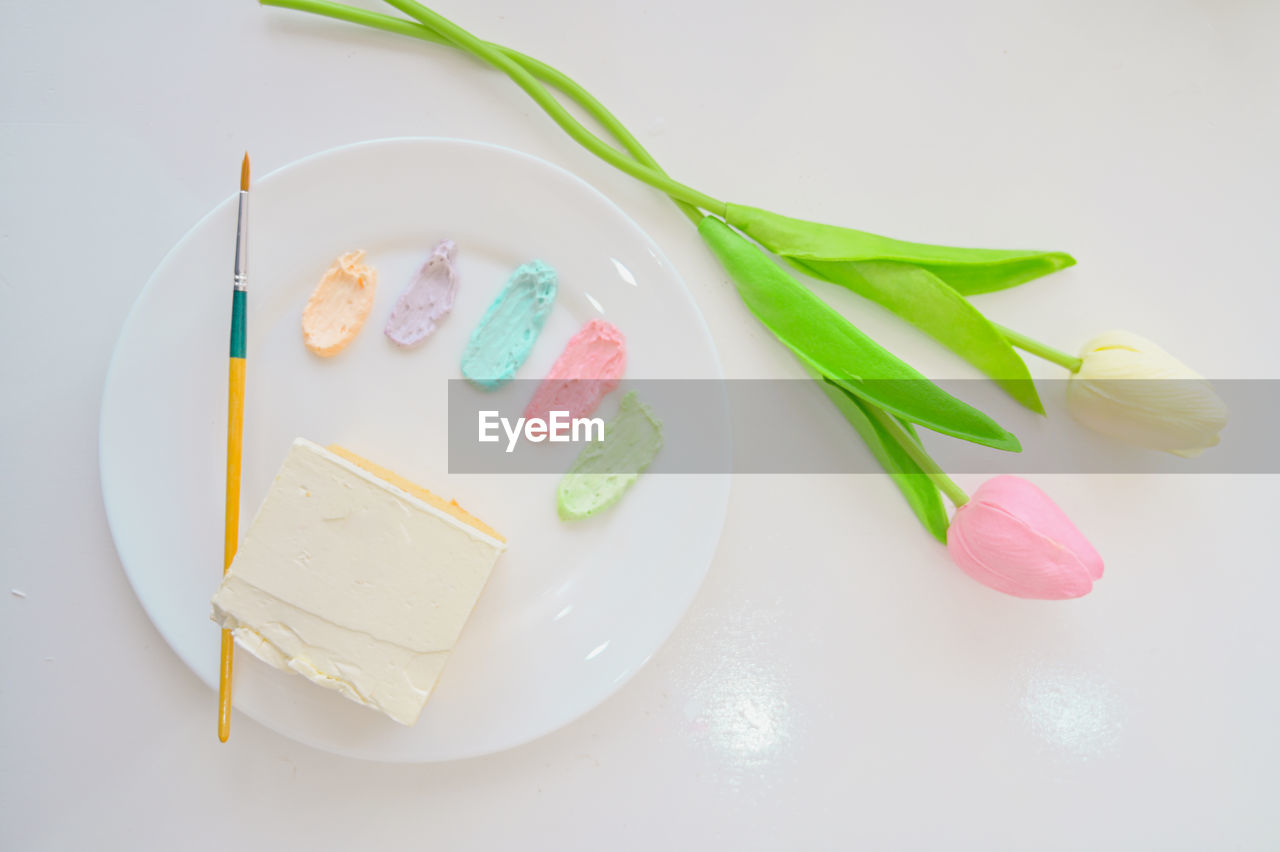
967	270
922	495
833	347
924	300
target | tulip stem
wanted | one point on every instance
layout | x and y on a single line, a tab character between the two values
920	456
1035	347
580	134
540	70
438	28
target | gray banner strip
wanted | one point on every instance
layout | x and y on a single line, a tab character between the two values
786	426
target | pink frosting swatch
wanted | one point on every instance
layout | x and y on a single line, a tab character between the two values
426	300
589	367
1012	537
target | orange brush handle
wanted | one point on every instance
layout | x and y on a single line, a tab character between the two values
235	435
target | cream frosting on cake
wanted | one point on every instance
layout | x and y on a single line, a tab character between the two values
357	579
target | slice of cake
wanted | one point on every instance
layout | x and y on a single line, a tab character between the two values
356	578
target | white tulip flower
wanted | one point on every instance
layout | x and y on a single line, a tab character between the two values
1129	388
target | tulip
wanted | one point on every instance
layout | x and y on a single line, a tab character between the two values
1129	388
1008	535
1012	537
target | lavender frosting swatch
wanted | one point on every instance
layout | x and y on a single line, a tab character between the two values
427	298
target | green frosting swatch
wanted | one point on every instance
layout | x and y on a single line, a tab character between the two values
509	328
604	470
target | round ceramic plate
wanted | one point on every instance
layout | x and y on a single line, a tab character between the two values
571	610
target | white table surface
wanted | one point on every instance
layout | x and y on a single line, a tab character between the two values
837	682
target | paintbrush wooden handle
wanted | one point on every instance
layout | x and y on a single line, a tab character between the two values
235	437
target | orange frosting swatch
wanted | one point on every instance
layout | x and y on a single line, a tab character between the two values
339	305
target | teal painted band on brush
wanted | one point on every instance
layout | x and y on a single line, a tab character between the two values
238	311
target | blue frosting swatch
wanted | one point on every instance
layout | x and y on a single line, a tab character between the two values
506	334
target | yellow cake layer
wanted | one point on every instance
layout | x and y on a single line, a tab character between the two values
450	506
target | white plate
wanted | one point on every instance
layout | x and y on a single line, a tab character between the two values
572	611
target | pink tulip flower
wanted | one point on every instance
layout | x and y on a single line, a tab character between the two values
1012	537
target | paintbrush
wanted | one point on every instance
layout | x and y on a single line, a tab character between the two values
235	433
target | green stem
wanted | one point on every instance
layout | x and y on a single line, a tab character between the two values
540	70
522	78
913	448
376	20
1035	347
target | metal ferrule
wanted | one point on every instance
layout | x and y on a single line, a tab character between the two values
242	244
